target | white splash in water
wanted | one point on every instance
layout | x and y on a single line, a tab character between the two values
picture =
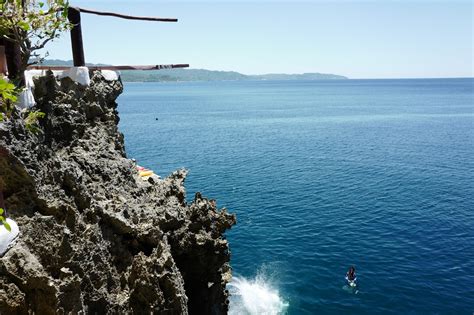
254	297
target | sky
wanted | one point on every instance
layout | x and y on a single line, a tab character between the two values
358	39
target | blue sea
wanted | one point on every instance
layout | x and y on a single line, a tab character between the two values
323	175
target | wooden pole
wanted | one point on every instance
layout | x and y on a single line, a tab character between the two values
3	61
13	56
74	16
2	201
3	154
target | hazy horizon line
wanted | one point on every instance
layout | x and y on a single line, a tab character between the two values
294	73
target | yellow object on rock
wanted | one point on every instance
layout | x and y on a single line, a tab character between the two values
145	173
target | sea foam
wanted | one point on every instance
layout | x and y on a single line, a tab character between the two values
255	296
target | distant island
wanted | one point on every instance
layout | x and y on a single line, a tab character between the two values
175	75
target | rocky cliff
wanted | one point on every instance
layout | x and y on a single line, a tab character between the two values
94	237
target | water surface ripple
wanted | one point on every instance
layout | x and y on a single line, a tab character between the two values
325	174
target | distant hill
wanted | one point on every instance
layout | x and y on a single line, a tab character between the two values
174	75
181	75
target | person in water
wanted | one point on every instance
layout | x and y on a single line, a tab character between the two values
351	274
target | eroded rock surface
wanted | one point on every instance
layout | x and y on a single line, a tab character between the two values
95	238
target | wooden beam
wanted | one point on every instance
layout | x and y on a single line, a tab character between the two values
152	67
128	17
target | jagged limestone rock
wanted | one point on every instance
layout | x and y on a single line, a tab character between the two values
94	237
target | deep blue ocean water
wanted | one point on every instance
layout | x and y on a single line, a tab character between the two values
323	175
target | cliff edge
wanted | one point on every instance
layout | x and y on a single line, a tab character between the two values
94	237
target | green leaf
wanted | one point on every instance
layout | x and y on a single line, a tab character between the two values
7	226
1	211
7	90
2	219
5	85
41	4
24	26
65	10
31	121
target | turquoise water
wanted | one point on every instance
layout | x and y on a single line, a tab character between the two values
322	175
